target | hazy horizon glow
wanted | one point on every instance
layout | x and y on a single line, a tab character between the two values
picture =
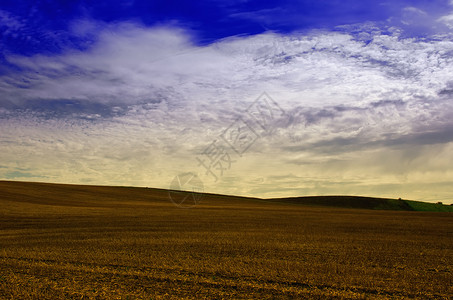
366	103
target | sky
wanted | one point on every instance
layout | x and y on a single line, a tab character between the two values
256	98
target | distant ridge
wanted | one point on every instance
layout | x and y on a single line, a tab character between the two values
91	195
349	202
365	203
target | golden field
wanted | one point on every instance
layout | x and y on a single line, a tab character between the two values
91	242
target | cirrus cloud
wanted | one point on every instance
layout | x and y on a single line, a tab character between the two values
141	103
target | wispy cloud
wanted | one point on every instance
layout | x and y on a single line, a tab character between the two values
447	20
138	105
13	24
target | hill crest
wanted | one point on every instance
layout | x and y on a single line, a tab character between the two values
92	195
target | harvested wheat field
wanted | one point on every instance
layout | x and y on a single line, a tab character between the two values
89	242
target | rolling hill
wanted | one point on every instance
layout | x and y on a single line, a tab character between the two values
106	196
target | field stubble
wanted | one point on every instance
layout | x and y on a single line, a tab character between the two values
107	243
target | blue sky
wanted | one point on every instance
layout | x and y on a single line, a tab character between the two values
135	92
30	27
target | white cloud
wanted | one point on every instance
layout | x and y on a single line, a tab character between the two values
138	106
130	63
414	10
447	20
